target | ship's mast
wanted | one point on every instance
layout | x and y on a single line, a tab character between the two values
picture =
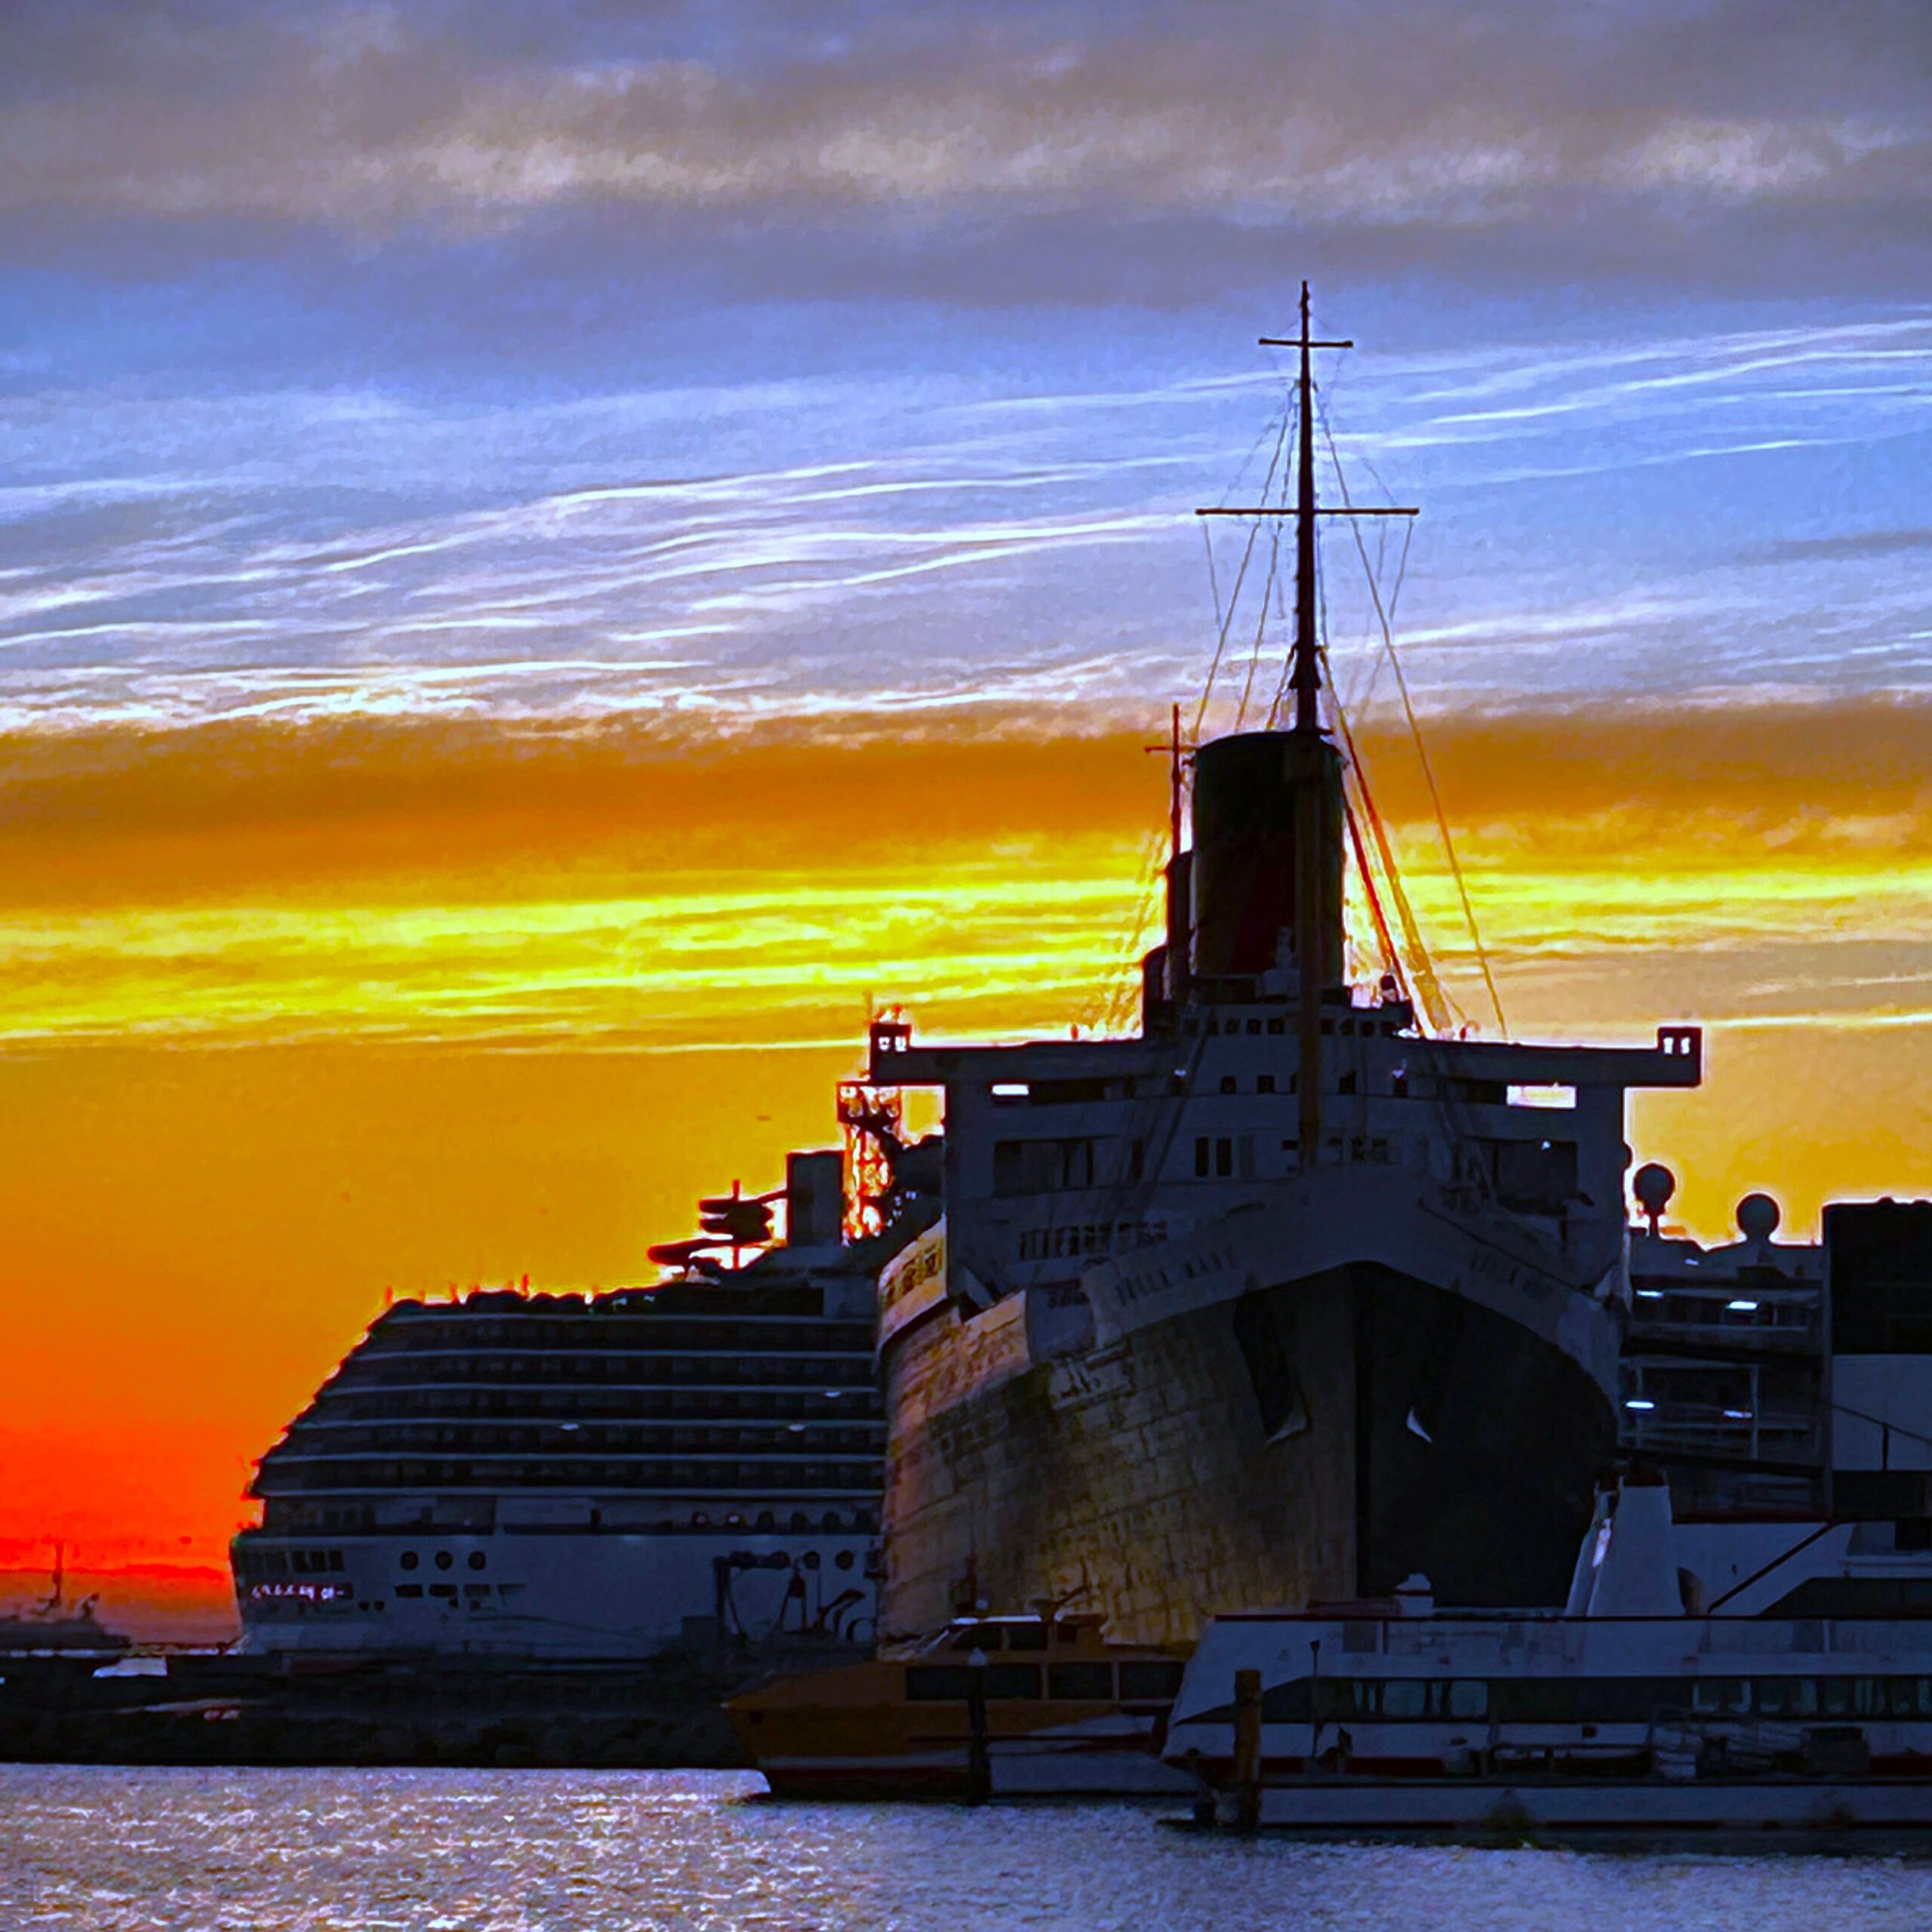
1309	763
1306	672
1312	761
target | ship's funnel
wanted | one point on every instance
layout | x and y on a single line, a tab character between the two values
1248	790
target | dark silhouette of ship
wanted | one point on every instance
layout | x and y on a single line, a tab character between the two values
56	1628
1289	1296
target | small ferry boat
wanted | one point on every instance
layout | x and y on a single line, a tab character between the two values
990	1707
1630	1709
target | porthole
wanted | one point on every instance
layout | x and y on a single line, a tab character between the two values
809	1559
444	1559
477	1559
409	1559
843	1559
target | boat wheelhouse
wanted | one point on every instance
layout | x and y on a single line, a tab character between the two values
988	1707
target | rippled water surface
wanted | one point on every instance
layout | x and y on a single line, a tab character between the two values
534	1851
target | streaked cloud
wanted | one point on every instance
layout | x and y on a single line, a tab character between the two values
634	888
809	547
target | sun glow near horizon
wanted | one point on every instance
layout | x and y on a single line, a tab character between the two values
436	1013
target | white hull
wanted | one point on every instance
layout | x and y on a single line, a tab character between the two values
549	1595
1349	1805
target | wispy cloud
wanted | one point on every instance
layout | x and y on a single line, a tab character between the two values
1851	545
807	546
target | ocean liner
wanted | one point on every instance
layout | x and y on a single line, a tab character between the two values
576	1478
1288	1297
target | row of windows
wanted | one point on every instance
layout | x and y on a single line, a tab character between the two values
1146	1681
636	1438
845	1366
1052	1166
1367	1026
1230	1156
280	1472
1593	1700
1087	1238
250	1562
599	1405
1264	1083
422	1332
446	1559
1047	1166
284	1518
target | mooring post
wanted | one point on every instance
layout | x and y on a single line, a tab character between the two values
1248	1749
979	1763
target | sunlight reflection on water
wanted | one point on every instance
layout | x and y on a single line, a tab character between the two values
112	1851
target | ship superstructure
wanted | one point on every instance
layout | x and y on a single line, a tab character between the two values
1288	1297
591	1477
1784	1389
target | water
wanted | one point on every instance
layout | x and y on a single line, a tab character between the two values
112	1850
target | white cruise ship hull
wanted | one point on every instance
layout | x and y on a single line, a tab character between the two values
554	1595
1346	1806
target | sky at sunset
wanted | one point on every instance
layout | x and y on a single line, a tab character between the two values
550	553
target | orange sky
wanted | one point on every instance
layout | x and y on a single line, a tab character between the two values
292	1018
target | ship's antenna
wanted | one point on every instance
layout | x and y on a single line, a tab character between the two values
1313	809
1178	754
1305	676
1305	673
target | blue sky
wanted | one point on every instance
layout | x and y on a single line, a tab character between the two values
745	360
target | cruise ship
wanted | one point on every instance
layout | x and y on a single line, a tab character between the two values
567	1477
1290	1296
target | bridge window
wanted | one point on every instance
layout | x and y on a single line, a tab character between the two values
1536	1176
1150	1680
1214	1156
1091	1683
1042	1166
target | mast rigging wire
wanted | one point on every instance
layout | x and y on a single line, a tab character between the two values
1214	582
1438	1008
1261	626
1415	732
1234	596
